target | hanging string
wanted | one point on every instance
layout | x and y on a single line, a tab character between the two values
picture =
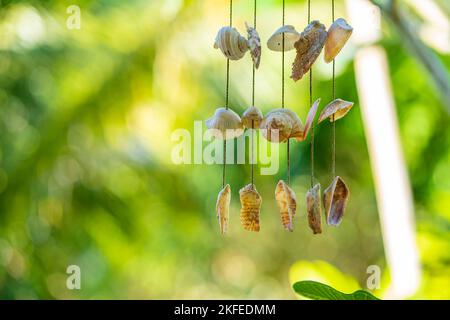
333	142
288	153
226	105
310	103
253	104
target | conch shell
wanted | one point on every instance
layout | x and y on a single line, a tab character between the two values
231	43
334	200
251	204
309	46
314	209
254	43
287	203
227	124
252	114
309	120
335	110
223	208
275	42
338	34
281	124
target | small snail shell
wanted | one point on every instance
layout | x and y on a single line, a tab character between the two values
314	209
252	114
275	42
223	208
279	125
287	203
334	200
227	124
337	108
231	43
309	120
251	205
338	34
254	44
308	47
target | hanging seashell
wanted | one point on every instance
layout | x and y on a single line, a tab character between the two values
287	203
338	34
252	114
227	124
231	43
314	210
279	125
223	208
251	205
337	108
254	44
309	120
334	200
275	42
309	46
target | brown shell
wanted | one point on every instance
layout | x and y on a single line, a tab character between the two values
309	120
223	208
254	44
337	108
250	207
338	34
314	209
308	47
281	124
252	114
287	203
334	200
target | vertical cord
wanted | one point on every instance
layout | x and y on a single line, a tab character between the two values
253	103
310	104
226	105
288	153
333	151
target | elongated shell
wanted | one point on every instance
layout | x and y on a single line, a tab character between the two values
231	43
254	44
287	203
309	120
281	124
308	47
250	207
314	209
338	34
223	208
291	36
334	200
252	114
225	124
337	108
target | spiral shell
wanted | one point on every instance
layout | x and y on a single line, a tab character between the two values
275	42
338	34
337	108
308	47
231	43
334	200
251	205
314	209
225	124
281	124
287	203
223	208
254	44
252	114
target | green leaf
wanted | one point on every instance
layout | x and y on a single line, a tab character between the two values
319	291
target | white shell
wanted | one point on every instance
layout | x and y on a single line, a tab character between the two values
254	44
231	43
279	125
252	113
338	34
227	124
223	208
335	110
291	36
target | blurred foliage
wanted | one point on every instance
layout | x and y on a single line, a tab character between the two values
86	176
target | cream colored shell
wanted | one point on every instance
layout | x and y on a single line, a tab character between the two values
250	207
291	36
334	200
225	123
252	114
223	208
338	35
281	124
287	204
254	44
335	110
231	43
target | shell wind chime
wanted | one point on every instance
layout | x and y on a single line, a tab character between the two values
280	125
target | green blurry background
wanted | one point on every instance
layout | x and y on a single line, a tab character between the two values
86	176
